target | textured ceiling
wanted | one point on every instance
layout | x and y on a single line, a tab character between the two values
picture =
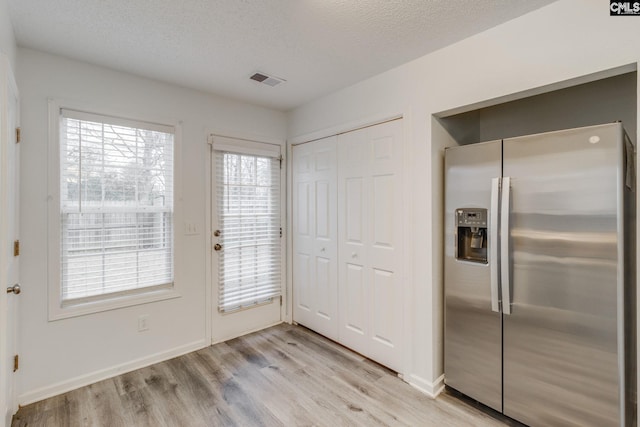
318	46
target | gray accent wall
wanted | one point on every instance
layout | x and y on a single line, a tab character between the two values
598	102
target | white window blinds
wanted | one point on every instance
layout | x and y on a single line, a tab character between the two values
116	205
248	200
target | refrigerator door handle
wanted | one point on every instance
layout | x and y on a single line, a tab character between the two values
493	244
505	261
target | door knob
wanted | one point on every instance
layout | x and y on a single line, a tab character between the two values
217	246
15	289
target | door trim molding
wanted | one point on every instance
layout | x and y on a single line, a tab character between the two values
345	127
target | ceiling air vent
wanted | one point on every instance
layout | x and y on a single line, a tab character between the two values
268	80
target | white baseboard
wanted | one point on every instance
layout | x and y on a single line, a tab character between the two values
103	374
431	389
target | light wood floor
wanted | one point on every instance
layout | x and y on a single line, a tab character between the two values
282	376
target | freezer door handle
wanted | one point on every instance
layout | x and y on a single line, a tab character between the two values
493	244
505	261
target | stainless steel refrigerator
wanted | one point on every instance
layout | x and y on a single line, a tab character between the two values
540	276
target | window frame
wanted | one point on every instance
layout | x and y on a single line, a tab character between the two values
59	308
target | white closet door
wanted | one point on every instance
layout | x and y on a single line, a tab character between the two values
370	242
385	243
303	224
353	212
315	236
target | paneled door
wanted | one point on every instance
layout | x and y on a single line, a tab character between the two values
315	270
9	227
247	260
370	241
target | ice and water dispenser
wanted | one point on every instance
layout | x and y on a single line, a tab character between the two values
471	224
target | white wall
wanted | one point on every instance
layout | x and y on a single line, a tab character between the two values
59	355
565	40
7	40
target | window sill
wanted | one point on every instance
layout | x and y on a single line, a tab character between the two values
107	303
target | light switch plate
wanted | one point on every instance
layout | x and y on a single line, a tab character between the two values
191	228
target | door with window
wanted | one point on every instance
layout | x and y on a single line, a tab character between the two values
247	263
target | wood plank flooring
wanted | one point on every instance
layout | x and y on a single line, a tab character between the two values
282	376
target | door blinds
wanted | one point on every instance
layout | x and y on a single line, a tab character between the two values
248	209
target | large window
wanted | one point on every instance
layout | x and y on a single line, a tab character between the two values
248	201
116	207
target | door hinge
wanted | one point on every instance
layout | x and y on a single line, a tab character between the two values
280	300
17	135
281	158
16	248
280	232
16	362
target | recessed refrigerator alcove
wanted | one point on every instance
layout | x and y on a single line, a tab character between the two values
601	101
568	201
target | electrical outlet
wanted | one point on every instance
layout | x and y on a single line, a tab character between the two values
143	322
